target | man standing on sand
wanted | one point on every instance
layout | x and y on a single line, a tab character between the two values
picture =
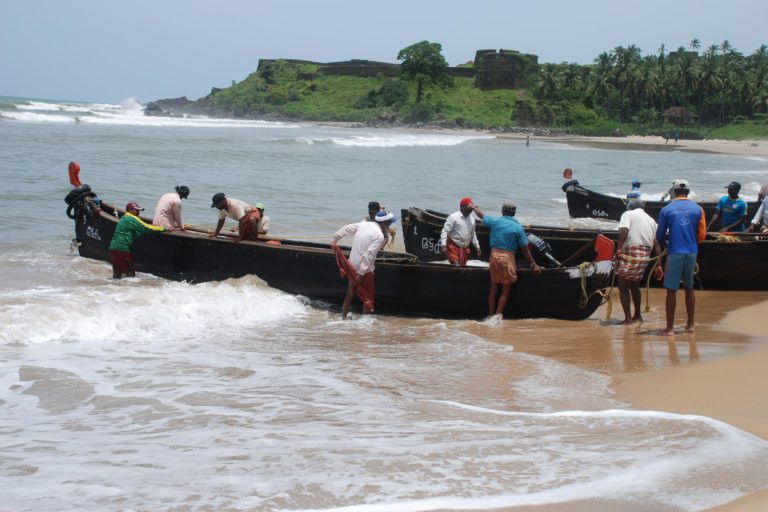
246	215
168	209
368	240
637	236
127	231
682	227
507	239
458	232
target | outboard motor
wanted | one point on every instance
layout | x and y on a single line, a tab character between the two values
544	249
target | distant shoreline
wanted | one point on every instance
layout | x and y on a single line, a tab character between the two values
655	143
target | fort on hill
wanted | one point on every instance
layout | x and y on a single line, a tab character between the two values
491	69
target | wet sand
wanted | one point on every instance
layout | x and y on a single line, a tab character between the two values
718	371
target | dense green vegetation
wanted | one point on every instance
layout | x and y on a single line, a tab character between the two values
719	93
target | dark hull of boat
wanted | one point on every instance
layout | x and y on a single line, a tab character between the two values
584	203
403	286
737	265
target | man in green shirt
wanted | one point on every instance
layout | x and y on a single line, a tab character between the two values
127	231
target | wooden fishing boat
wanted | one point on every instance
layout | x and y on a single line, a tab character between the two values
403	284
587	203
726	262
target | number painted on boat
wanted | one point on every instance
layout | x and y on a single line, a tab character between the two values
430	245
599	213
93	233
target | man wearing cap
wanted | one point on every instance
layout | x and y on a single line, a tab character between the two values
168	208
458	232
127	231
733	210
246	215
368	240
637	236
682	227
264	221
507	239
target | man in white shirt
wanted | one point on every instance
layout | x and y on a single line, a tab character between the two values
760	218
264	222
637	237
458	232
246	215
368	241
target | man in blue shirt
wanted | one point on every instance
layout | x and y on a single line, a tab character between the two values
681	228
507	239
732	208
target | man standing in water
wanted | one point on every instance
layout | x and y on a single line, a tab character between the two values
682	227
168	209
637	235
127	231
368	240
507	238
458	232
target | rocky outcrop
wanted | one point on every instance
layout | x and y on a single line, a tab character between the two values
179	107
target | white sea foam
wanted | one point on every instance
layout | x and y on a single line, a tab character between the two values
142	310
405	140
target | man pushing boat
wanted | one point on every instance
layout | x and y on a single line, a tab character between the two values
369	239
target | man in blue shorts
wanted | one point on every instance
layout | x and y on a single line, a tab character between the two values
682	227
732	209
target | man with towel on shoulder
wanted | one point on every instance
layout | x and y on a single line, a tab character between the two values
637	237
246	215
368	241
507	239
458	232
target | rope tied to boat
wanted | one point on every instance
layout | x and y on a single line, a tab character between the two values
604	293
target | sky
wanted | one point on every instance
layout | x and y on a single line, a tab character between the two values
115	50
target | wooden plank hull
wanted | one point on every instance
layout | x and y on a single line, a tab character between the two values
403	286
736	265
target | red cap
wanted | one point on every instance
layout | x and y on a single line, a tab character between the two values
133	206
465	201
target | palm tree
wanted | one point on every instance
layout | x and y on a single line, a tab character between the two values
695	44
549	85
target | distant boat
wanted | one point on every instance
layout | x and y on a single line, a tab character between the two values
404	285
732	262
587	203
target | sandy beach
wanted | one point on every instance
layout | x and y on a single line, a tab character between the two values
634	142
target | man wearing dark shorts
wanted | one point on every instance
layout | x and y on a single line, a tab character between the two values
127	231
682	227
507	238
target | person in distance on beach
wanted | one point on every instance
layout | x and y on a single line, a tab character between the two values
637	236
732	209
127	231
682	227
246	215
368	240
168	208
458	232
507	238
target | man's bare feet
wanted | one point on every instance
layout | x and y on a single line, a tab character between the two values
668	332
627	321
690	328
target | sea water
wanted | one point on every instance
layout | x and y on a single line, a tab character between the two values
145	394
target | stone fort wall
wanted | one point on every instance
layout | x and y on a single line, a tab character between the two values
502	69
